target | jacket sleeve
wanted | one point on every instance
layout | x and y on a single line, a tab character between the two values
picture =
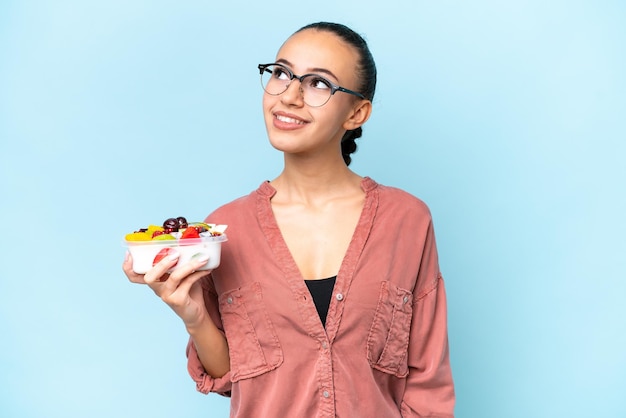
204	382
429	389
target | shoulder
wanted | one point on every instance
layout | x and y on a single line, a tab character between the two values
242	207
401	202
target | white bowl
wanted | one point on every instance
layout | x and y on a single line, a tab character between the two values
144	252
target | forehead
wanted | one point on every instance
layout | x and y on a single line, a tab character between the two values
312	48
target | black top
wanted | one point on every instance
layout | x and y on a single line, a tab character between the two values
321	292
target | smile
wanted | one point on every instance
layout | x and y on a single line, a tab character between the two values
289	120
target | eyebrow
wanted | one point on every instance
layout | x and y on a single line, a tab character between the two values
314	70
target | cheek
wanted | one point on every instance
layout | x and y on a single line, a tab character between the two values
266	111
334	115
267	105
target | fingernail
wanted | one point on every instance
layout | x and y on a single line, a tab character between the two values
173	255
200	258
126	256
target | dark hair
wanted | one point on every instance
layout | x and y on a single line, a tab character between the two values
365	70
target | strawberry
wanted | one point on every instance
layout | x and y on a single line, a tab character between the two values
190	232
162	254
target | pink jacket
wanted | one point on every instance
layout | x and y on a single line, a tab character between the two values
384	351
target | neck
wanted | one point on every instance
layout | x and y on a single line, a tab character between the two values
314	181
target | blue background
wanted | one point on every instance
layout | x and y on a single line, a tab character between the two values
507	118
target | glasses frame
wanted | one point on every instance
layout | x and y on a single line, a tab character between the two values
333	87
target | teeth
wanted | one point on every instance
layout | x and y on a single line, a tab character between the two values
289	120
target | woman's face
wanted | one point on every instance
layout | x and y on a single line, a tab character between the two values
296	128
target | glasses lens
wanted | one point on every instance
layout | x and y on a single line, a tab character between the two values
316	90
275	79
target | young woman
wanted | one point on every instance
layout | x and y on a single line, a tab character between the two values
329	301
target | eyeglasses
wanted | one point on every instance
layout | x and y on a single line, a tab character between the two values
315	89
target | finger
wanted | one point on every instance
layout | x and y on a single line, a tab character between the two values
181	274
181	300
158	274
127	266
183	291
195	292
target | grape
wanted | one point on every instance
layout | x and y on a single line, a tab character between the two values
182	222
170	225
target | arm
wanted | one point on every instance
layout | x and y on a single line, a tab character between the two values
183	292
203	350
209	344
429	390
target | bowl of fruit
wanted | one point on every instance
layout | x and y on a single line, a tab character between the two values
191	240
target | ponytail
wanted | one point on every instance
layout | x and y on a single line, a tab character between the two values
348	144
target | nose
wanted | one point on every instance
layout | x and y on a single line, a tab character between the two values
294	94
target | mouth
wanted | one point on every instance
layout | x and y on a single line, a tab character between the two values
287	121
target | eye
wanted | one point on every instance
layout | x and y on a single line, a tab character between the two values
318	83
280	73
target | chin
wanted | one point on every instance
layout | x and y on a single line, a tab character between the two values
283	145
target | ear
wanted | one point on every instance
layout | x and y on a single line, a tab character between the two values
359	115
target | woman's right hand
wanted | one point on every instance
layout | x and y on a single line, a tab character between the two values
180	290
